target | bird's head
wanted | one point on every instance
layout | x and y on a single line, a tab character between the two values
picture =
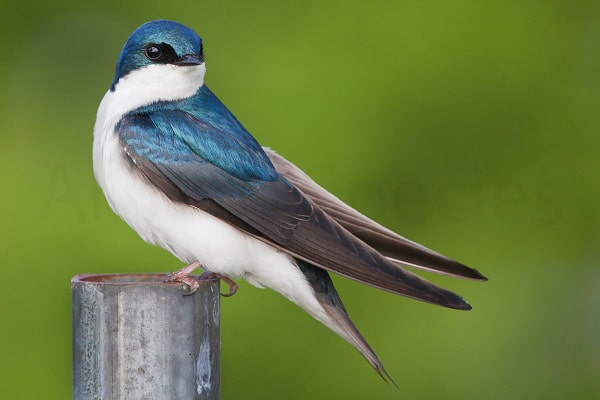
162	57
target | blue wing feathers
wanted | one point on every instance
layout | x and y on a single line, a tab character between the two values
184	131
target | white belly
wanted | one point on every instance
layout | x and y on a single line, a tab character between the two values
188	233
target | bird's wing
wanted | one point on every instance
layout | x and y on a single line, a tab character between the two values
176	152
387	242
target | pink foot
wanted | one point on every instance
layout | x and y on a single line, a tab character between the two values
183	276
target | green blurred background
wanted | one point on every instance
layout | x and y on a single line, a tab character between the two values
468	126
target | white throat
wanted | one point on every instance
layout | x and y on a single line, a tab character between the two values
149	85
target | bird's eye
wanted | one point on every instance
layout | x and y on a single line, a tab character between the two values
153	52
161	53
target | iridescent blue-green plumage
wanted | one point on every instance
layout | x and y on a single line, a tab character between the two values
196	129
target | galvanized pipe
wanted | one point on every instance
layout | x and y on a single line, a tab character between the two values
135	337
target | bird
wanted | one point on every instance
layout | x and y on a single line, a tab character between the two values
184	173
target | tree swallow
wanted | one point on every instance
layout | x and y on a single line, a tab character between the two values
184	173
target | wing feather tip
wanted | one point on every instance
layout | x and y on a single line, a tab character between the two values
476	275
461	305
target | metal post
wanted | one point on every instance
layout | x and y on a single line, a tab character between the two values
135	337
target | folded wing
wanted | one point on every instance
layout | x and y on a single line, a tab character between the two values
387	242
273	210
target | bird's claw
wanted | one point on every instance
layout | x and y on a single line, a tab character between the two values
233	287
183	276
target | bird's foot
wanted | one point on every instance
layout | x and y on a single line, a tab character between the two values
183	276
233	287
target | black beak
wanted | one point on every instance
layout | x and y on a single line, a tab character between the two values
190	59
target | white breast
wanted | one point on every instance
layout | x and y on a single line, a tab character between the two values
187	232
